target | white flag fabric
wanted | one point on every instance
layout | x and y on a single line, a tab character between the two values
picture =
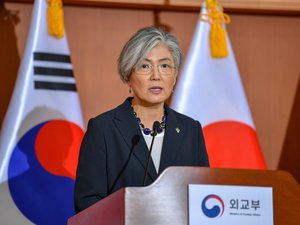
41	133
210	90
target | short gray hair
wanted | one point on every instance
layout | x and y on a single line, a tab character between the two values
140	44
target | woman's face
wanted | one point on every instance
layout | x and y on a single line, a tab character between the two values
154	87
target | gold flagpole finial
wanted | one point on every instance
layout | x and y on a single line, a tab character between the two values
55	16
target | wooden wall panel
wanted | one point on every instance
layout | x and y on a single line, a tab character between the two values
11	47
253	6
266	49
96	37
290	155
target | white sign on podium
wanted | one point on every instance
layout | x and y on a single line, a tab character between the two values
230	205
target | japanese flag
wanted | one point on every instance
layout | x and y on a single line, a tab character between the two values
210	90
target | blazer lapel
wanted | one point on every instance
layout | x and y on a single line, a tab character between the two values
172	140
128	127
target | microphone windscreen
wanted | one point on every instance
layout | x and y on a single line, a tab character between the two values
135	139
156	125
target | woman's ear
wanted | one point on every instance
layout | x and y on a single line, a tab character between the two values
175	77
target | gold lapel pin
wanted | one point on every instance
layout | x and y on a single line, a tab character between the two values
177	130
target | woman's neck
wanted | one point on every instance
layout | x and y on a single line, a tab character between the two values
149	114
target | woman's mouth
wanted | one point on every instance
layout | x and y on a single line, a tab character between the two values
155	89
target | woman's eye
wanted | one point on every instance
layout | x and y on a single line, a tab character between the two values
145	66
164	66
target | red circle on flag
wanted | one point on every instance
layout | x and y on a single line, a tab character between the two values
231	144
57	147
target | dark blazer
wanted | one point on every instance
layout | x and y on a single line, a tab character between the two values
106	147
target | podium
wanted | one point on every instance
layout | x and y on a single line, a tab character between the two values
165	202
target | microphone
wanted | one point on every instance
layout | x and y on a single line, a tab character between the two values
156	126
134	141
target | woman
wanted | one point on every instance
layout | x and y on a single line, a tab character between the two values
116	144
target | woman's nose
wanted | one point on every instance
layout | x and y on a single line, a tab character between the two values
155	73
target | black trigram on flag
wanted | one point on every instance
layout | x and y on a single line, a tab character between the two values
53	72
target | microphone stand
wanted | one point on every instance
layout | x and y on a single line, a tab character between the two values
156	125
134	141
